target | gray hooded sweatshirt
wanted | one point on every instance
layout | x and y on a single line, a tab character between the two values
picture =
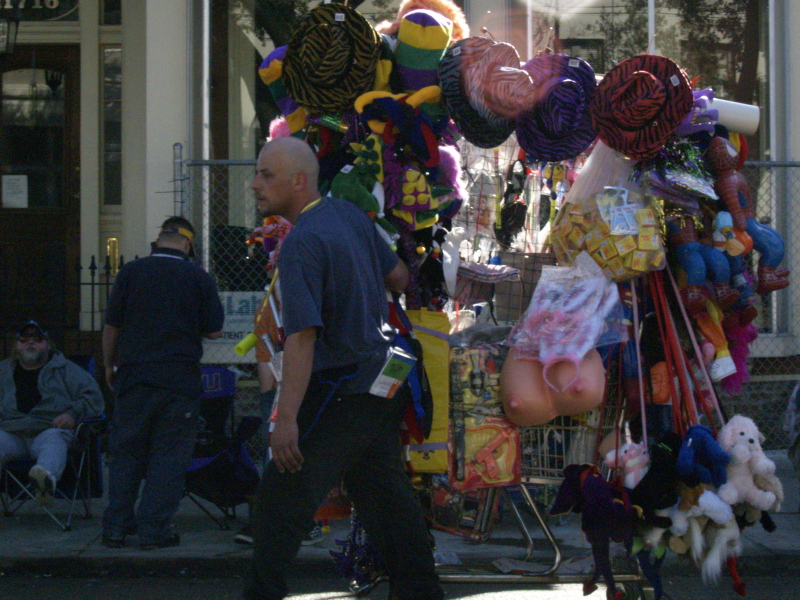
65	388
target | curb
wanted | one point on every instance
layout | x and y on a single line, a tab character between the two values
134	567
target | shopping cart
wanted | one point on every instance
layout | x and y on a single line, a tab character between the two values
546	450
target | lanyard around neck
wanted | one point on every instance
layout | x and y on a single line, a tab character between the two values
311	205
308	206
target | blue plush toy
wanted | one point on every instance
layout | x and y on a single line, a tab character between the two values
701	458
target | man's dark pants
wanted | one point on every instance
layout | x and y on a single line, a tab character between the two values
152	437
355	439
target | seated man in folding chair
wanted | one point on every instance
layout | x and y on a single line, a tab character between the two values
42	398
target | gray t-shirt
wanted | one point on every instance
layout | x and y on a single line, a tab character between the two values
332	267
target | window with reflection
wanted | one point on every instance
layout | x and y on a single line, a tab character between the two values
111	192
32	136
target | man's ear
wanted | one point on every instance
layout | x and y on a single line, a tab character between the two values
299	180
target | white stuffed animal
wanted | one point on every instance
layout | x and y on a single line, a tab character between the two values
741	439
723	541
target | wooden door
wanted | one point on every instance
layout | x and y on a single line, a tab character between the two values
39	199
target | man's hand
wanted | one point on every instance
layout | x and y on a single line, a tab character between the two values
283	442
65	421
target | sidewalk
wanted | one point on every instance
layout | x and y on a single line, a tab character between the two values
31	543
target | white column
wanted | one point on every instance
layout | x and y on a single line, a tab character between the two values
90	81
155	98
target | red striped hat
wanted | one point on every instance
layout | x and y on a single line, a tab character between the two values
639	103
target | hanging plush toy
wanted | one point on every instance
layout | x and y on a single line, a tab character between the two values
656	493
741	439
701	458
731	186
701	262
606	516
634	461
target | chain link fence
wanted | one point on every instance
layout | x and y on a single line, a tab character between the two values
219	201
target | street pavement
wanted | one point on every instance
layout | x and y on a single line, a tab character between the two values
31	545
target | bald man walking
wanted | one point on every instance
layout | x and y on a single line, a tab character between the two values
333	272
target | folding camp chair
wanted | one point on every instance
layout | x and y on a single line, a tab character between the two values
82	478
221	471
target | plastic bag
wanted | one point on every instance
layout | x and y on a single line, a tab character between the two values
567	315
611	218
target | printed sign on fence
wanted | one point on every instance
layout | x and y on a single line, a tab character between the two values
239	310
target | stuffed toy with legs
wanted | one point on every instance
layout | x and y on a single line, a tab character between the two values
606	516
722	158
741	439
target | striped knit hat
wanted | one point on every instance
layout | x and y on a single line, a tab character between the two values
271	73
557	124
639	103
422	39
331	59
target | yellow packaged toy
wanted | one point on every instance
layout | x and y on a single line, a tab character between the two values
611	218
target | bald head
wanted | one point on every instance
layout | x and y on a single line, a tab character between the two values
295	155
286	177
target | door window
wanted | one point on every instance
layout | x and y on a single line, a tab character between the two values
32	138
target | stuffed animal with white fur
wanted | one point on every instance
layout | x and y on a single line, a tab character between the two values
698	501
723	542
741	439
634	461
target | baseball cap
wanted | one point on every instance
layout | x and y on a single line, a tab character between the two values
31	325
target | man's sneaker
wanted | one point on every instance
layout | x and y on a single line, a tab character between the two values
244	537
314	537
45	484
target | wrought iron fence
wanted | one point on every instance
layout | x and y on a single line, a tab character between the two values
218	197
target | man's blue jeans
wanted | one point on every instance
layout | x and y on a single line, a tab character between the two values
152	437
354	438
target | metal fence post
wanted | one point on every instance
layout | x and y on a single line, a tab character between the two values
177	179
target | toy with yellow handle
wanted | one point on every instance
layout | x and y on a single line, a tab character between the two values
248	343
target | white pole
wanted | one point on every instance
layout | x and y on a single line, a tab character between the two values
529	25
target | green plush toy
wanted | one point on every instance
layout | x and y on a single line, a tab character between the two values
358	184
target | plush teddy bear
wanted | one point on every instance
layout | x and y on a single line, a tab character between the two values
741	438
701	458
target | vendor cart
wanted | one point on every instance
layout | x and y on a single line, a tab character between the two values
546	450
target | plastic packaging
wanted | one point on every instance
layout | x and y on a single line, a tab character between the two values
611	218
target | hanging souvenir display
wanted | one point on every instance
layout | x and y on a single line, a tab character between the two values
470	159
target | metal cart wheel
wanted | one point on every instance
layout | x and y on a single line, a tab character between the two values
360	590
648	594
631	591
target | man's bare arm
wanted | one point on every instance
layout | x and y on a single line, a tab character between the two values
397	279
298	356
